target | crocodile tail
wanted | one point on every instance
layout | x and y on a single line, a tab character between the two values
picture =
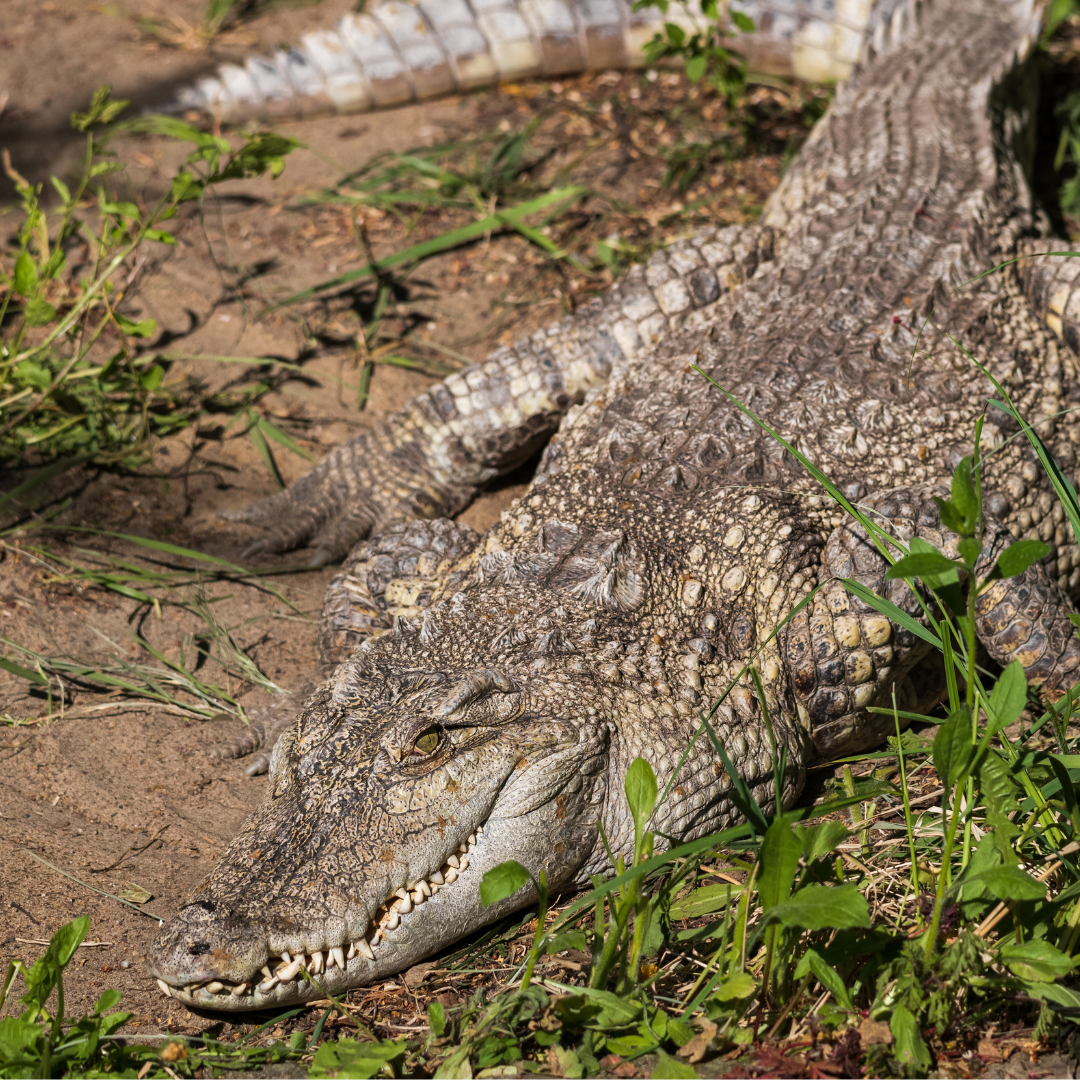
398	52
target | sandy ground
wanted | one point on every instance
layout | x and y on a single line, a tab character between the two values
107	795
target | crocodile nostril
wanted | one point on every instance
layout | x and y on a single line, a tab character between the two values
200	948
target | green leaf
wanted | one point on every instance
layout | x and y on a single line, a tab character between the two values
1036	960
963	493
779	858
26	275
951	518
696	66
970	549
1010	883
675	34
38	312
952	747
1018	556
702	901
667	1066
740	985
108	1000
910	1049
819	840
813	963
348	1057
140	329
742	22
823	907
502	881
24	673
436	1017
1009	696
151	379
160	236
569	939
45	974
641	789
923	565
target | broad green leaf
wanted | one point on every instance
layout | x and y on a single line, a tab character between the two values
970	549
923	565
675	34
963	493
502	881
742	22
1055	994
819	840
38	312
740	985
26	275
953	747
1036	960
779	858
436	1017
813	963
43	976
1009	696
1010	883
704	900
108	1000
1018	556
136	329
823	907
151	379
614	1011
910	1049
569	939
351	1058
641	790
667	1066
951	518
696	67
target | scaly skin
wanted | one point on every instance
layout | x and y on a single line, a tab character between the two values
396	52
491	691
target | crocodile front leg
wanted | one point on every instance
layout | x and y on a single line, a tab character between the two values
430	459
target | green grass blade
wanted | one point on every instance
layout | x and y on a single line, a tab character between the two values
445	242
890	611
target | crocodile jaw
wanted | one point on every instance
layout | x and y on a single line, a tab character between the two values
346	872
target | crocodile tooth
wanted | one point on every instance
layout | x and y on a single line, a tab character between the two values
419	897
406	905
462	848
214	987
267	972
435	889
451	875
288	972
453	861
472	840
352	951
378	937
403	893
363	948
480	828
316	962
464	862
424	887
267	985
163	986
436	878
337	956
240	990
286	957
392	923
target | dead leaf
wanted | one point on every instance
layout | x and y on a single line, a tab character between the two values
700	1044
415	975
135	894
875	1031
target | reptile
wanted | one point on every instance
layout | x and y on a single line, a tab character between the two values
483	696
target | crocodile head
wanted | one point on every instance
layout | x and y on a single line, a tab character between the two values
389	798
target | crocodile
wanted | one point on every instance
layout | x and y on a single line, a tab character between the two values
483	696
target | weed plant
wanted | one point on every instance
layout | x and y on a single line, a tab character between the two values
77	383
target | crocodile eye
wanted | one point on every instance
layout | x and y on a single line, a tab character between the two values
426	742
